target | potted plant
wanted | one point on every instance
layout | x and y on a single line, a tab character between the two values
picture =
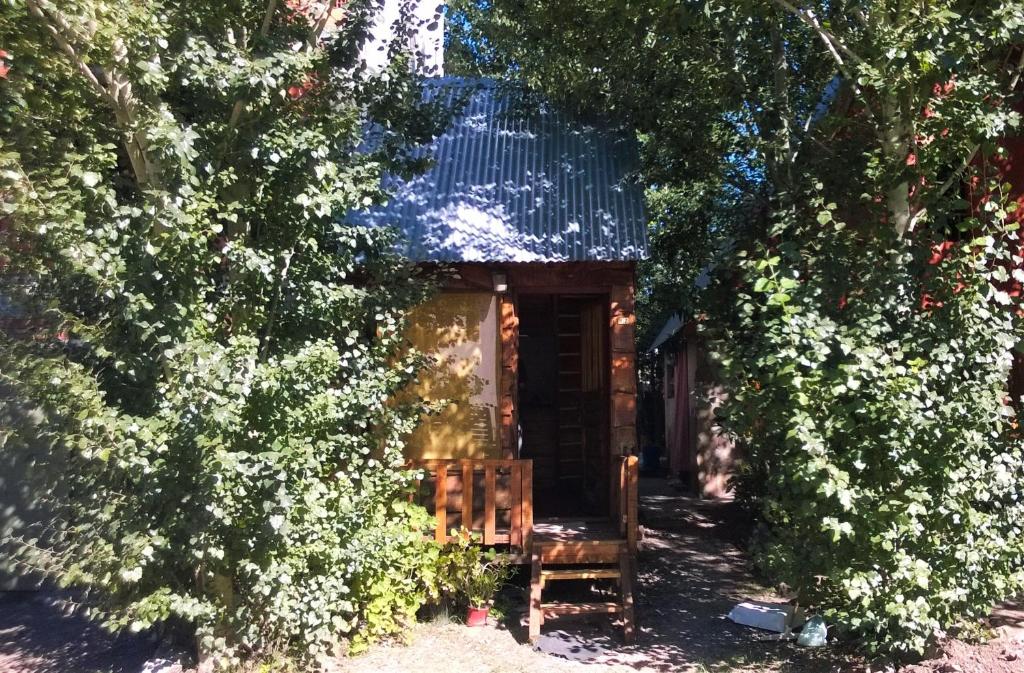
482	583
475	575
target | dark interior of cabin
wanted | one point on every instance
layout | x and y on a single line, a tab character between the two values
563	401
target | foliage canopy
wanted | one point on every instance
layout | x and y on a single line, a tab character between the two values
212	353
865	310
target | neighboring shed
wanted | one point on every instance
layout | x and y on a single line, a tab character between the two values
541	224
700	453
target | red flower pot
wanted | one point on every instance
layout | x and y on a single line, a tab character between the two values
476	616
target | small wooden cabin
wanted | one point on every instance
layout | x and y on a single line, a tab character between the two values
539	224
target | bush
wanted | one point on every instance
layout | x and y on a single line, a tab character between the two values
869	380
216	351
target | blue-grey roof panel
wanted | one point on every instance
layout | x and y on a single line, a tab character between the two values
515	186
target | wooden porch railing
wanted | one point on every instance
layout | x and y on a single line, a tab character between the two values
491	497
625	484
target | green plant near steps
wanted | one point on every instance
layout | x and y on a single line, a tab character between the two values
469	572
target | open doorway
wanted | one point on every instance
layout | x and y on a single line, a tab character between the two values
563	402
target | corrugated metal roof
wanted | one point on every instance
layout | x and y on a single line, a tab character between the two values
668	330
517	185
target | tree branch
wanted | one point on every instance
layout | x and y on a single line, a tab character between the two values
834	46
268	17
275	301
239	107
320	25
833	43
117	92
66	46
780	86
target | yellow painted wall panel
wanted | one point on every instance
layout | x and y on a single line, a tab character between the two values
459	330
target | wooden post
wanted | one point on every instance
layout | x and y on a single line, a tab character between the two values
516	515
623	371
467	494
536	614
489	502
626	584
527	506
614	466
441	502
509	371
633	481
623	474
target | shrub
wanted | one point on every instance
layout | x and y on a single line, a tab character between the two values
470	573
214	352
869	384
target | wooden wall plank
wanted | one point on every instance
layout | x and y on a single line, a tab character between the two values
467	494
441	503
489	485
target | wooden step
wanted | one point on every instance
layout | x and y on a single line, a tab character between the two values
582	574
580	608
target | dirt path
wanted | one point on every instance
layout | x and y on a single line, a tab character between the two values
40	634
691	573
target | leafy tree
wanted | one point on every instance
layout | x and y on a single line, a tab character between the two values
680	75
865	325
213	352
870	352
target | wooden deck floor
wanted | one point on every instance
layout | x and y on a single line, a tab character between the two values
575	530
578	541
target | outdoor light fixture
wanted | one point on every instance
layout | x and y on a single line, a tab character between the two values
500	282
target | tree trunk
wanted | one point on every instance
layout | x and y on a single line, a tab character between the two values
897	133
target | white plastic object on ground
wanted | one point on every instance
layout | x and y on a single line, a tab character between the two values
814	633
777	617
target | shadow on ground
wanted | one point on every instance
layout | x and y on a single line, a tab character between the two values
691	573
39	633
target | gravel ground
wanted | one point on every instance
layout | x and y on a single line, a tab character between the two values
40	633
691	573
